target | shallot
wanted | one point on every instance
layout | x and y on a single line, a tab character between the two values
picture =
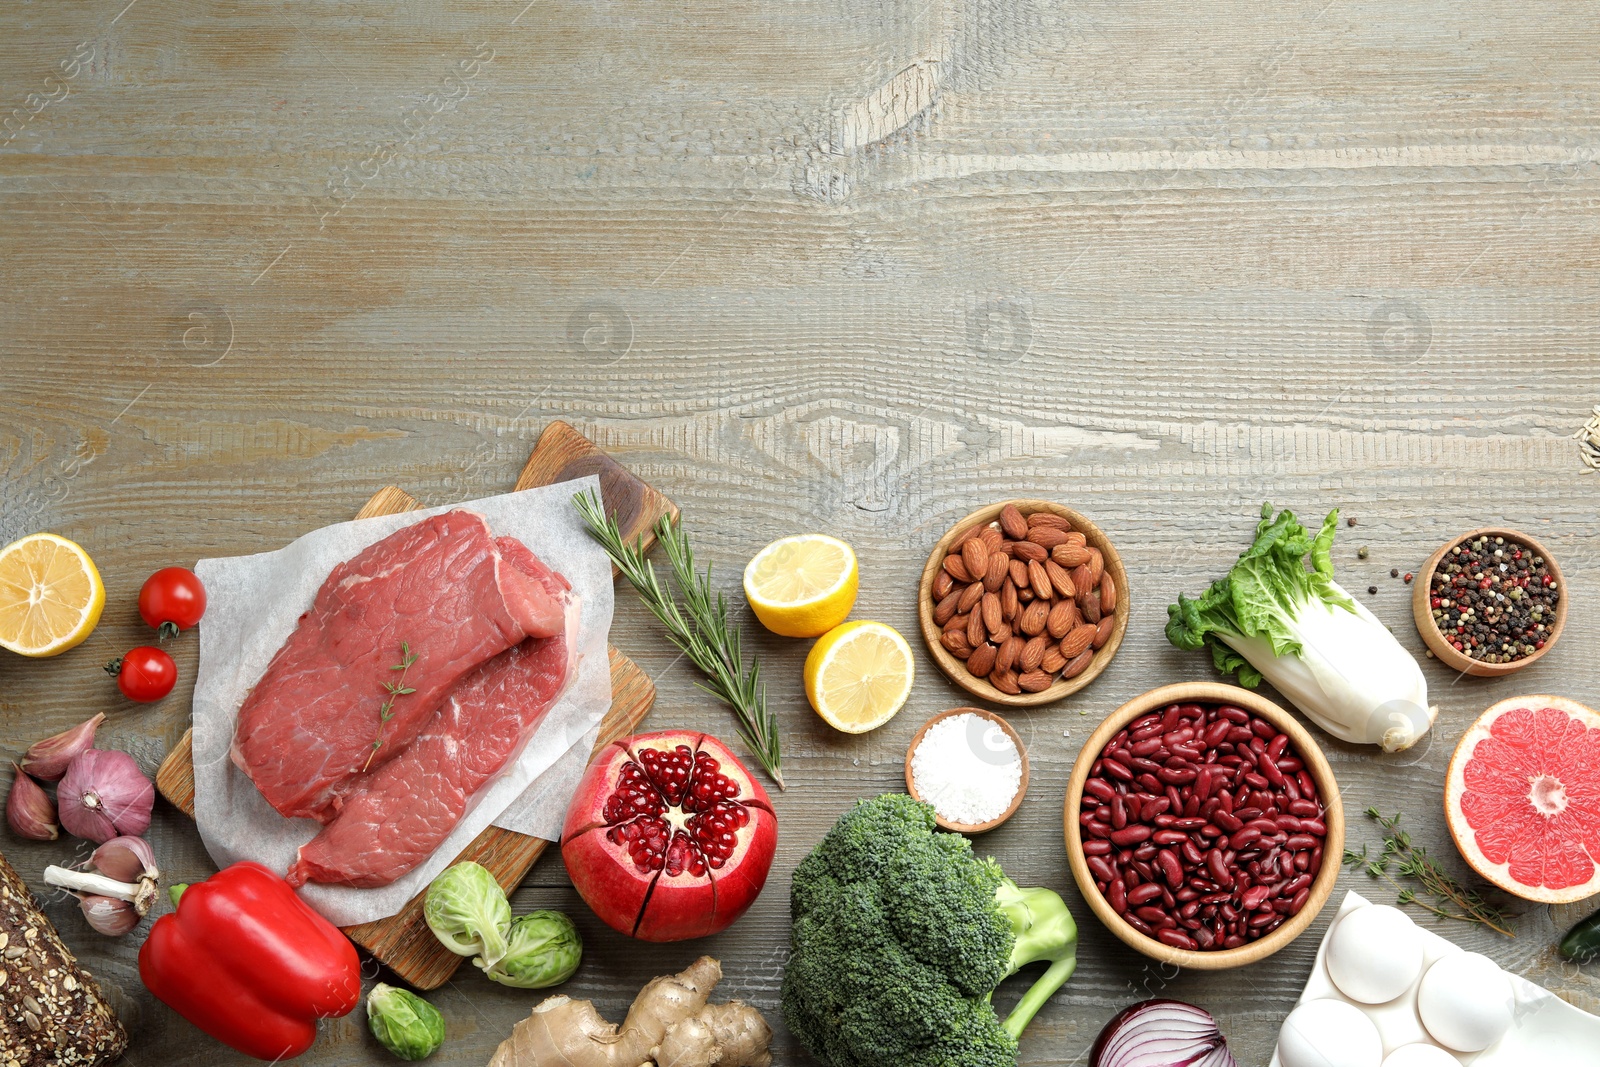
47	760
104	794
29	810
124	890
1161	1033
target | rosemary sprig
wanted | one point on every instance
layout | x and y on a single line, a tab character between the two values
394	689
1446	897
699	627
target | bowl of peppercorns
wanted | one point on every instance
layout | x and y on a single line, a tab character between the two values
1490	602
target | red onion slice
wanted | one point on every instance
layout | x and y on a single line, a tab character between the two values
1161	1033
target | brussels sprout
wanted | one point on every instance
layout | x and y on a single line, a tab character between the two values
468	912
543	949
404	1023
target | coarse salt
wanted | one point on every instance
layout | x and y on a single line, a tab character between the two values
968	768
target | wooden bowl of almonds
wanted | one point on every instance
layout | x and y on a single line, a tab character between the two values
1044	616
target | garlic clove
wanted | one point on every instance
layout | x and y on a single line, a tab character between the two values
126	859
47	760
103	795
29	810
108	915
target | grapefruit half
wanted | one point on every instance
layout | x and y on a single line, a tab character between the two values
1523	798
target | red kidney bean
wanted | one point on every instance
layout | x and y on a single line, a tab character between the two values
1176	940
1144	894
1205	825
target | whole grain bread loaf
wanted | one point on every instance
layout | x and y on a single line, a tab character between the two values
52	1013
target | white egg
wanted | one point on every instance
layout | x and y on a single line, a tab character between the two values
1465	1001
1374	954
1329	1033
1420	1056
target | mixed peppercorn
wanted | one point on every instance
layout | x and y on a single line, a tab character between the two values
1494	600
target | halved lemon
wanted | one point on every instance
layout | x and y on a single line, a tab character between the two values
858	675
802	586
50	595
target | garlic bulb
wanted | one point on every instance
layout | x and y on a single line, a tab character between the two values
114	900
104	794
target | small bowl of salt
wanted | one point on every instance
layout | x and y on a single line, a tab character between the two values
971	766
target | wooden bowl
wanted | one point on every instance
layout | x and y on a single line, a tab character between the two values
956	670
1306	748
1443	651
1022	786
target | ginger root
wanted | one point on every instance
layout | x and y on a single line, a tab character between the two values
669	1025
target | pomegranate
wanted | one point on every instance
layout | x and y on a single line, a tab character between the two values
669	836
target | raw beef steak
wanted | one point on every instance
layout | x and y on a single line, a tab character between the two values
394	819
440	586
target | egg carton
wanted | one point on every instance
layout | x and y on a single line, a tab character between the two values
1545	1030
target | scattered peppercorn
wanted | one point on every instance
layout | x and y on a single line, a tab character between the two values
1361	553
1493	600
1351	521
1394	572
1409	576
1372	589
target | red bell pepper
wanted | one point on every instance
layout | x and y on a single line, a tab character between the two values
245	960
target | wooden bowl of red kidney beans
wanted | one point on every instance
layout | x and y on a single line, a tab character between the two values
1204	826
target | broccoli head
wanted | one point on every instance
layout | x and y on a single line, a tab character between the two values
900	937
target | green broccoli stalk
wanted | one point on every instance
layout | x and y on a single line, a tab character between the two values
1044	930
901	936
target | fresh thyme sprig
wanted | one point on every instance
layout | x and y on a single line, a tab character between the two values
1447	898
699	627
394	689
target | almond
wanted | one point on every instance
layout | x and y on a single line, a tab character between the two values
1063	617
1081	584
1089	607
955	642
1097	566
1102	632
981	662
1012	522
991	537
999	568
1046	537
946	608
1076	666
956	622
1033	652
975	554
1108	595
1070	554
1025	594
1060	580
1033	617
1034	681
1000	635
1053	660
1048	518
1026	550
1040	581
1019	573
970	596
1009	605
992	615
956	568
964	536
1005	681
1078	639
1010	650
975	629
1077	537
942	584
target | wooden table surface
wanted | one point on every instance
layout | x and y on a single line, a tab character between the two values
850	266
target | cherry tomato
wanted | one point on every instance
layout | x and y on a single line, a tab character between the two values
144	674
172	599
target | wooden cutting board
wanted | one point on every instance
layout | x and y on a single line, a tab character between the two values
403	941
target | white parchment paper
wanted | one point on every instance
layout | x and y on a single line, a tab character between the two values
253	603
